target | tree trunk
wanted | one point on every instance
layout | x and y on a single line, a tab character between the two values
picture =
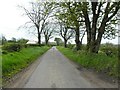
65	43
39	39
88	29
77	40
88	39
93	30
39	35
93	36
46	40
99	38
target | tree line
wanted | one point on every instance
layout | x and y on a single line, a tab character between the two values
74	19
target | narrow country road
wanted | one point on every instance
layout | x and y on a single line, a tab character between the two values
56	71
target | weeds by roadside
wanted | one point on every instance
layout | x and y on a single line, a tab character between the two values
14	62
99	62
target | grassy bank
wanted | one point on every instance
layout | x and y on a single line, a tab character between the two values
14	62
100	62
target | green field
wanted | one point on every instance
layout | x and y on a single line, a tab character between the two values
99	62
14	62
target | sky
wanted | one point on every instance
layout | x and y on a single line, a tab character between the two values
11	18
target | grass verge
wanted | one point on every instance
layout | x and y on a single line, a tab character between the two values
99	62
12	63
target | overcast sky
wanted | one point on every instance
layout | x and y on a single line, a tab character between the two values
11	18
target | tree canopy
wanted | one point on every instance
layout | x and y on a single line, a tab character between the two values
96	20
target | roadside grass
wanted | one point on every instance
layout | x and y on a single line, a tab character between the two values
14	62
0	67
99	62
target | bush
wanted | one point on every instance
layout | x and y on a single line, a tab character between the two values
12	47
70	46
109	49
83	47
4	52
35	45
74	48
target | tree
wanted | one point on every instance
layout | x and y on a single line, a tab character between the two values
13	39
48	31
38	14
4	40
22	41
102	14
58	41
66	34
72	17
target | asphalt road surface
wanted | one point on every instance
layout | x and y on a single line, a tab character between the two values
56	71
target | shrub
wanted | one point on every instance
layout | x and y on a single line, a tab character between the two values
70	46
83	47
12	47
35	45
74	49
109	49
4	52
